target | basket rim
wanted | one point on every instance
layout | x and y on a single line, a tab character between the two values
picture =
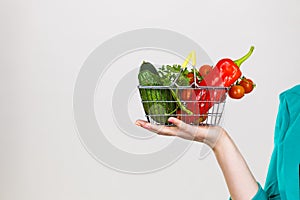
182	87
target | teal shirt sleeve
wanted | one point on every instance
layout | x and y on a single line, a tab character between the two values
261	194
282	181
283	175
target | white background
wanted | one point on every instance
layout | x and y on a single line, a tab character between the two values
43	45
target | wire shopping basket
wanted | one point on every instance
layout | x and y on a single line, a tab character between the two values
193	104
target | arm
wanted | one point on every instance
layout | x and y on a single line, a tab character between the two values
240	181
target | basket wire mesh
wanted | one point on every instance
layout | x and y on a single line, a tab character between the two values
194	104
206	104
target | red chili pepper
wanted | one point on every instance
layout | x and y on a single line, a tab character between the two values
224	74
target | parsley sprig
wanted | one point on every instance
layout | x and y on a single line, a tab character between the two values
169	73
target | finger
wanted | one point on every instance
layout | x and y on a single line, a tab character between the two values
184	130
188	131
176	122
183	126
140	122
159	129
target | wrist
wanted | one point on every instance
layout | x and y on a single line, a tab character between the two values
214	137
222	141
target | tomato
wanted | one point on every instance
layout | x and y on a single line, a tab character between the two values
236	92
204	70
178	114
186	94
247	84
190	75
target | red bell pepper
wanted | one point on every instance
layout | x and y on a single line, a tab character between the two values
211	89
226	72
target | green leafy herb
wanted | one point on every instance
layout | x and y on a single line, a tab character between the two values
168	75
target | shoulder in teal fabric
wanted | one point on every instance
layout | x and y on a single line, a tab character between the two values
288	142
283	174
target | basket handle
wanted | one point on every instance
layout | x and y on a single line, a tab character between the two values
192	55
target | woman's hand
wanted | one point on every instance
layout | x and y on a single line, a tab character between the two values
206	134
239	179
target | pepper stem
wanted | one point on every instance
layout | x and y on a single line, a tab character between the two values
245	57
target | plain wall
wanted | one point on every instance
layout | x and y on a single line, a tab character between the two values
43	45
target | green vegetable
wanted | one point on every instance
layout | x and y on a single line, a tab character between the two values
147	78
148	66
157	102
169	73
161	102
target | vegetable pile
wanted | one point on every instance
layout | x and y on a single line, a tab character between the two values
189	94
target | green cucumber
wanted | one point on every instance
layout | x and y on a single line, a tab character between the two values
157	102
148	66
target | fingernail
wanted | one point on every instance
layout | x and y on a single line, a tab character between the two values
171	119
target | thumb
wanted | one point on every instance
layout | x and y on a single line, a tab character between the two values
184	130
176	122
